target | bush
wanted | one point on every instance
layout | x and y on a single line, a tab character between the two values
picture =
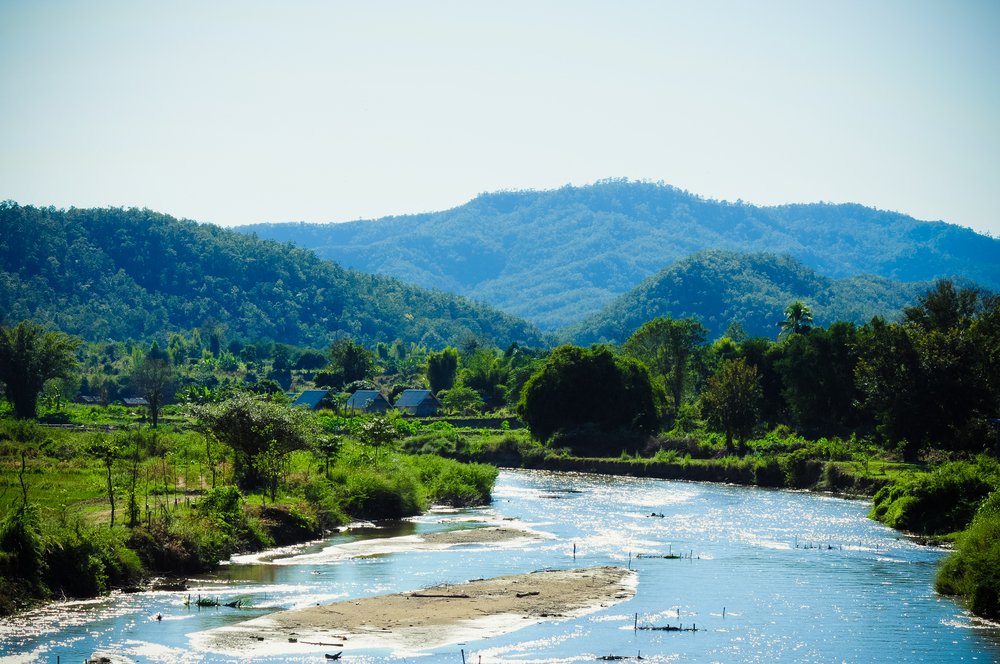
939	502
366	494
448	482
973	570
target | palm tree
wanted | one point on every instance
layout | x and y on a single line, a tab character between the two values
798	319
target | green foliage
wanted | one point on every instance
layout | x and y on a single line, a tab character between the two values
973	570
462	400
30	356
667	347
255	427
557	256
731	398
442	369
578	388
120	274
448	482
939	502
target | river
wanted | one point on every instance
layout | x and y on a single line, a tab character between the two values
769	576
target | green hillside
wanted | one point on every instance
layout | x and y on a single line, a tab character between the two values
720	287
554	257
129	273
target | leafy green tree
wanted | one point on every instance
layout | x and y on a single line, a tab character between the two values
667	346
579	387
253	425
442	369
29	356
153	378
378	432
944	307
730	400
463	400
818	386
484	371
350	361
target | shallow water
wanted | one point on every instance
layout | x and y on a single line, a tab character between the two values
771	576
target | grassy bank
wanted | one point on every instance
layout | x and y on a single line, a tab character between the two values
176	509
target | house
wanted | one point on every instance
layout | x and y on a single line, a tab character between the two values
309	399
368	401
421	403
135	401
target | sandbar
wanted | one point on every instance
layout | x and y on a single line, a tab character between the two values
428	618
489	536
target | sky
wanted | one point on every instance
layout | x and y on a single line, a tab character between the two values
243	112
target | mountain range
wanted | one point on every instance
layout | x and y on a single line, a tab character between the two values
555	257
722	287
128	273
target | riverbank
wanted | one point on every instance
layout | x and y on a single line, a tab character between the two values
428	618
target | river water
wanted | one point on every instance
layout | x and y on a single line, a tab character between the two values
771	576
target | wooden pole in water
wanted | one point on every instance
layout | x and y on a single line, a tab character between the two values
630	560
463	655
635	623
723	613
574	551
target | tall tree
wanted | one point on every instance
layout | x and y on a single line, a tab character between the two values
252	426
666	347
798	319
29	356
730	400
579	387
351	361
153	379
441	369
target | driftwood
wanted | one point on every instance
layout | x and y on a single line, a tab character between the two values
440	595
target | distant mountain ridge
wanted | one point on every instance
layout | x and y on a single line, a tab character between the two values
721	287
129	273
556	256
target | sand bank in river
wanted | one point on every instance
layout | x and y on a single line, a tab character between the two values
490	536
428	618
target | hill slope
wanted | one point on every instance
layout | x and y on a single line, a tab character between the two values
114	273
555	256
719	287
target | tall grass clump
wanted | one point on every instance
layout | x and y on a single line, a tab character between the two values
447	482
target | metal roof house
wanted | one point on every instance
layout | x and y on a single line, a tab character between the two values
309	399
135	401
368	401
421	403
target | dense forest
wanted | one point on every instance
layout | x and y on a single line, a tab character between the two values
554	257
114	274
720	288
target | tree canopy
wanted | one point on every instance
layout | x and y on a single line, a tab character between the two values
577	386
30	355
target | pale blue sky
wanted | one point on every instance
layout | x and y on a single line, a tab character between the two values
238	112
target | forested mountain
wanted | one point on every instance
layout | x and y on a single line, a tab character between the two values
555	256
720	287
117	274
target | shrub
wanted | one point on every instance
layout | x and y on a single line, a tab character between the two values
973	570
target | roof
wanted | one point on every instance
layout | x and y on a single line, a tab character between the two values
361	398
310	398
413	398
135	401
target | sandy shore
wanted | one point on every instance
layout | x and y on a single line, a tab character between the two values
489	536
428	618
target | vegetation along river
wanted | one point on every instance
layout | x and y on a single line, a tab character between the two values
767	575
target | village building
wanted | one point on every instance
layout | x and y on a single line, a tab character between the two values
421	403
